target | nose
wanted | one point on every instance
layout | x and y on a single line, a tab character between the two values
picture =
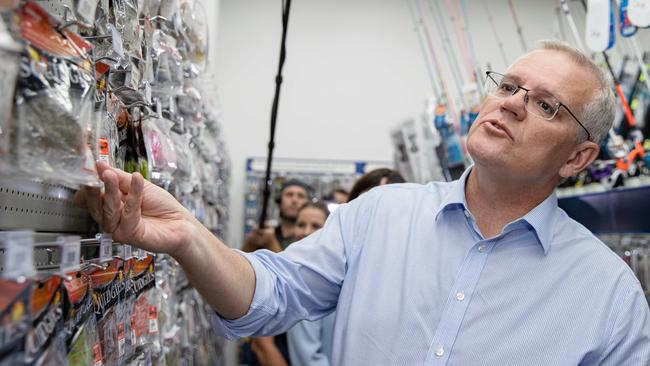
516	104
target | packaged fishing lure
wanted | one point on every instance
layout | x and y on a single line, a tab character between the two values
160	149
80	325
45	343
108	289
9	56
14	321
54	103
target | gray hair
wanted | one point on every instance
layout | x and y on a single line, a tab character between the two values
598	114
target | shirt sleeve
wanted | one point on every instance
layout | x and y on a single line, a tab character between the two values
303	281
306	344
630	337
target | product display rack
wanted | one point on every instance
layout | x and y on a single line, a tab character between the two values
125	89
323	176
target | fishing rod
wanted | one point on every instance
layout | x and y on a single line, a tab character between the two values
477	68
496	35
572	24
434	84
286	6
459	29
524	47
447	47
436	63
617	83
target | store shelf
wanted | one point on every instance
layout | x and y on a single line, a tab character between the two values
622	210
40	206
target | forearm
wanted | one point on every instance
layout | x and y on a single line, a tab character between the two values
225	279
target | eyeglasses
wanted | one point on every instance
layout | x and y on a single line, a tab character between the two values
541	104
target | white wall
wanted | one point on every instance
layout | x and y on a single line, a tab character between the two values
354	70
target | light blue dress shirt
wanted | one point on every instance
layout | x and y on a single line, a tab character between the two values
310	342
414	282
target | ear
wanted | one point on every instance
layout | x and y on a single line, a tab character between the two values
580	158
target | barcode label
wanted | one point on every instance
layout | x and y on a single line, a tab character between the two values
105	247
19	254
125	251
70	253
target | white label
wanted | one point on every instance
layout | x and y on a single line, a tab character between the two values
19	254
117	40
152	315
147	92
125	251
86	9
121	340
172	105
70	253
105	247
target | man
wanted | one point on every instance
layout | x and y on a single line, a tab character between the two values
293	195
485	270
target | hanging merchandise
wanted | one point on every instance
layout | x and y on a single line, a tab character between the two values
600	25
45	344
639	13
54	103
9	56
14	321
626	28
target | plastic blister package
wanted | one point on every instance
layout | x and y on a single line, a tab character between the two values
9	56
54	104
45	343
14	321
160	149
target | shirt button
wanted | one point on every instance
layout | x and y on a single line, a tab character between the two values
460	296
440	351
482	248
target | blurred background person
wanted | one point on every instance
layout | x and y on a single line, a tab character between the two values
310	342
373	178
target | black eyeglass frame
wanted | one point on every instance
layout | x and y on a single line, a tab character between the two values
560	104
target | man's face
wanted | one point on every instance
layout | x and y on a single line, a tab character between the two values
293	197
520	145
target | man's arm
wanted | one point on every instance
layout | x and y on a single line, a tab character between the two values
140	213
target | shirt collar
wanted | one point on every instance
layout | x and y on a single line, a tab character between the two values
455	196
540	217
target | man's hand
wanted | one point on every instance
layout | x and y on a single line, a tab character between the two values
261	239
137	212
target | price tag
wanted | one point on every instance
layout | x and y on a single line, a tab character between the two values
147	91
19	254
70	253
117	40
134	337
97	354
86	9
105	247
121	339
124	251
152	315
